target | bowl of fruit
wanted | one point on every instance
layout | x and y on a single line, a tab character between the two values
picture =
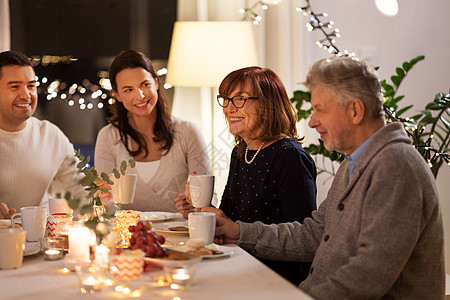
151	244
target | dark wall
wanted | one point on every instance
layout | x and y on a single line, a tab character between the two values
91	27
93	31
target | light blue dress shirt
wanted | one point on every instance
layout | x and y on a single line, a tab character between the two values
355	156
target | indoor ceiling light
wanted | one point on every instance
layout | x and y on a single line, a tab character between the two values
387	7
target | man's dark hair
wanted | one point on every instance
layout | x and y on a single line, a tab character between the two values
13	58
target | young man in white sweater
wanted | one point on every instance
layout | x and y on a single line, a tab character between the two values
34	153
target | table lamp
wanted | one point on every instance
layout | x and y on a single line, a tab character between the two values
203	53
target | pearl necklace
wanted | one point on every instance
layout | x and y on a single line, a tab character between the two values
254	156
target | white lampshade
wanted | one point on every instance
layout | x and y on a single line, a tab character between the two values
203	53
387	7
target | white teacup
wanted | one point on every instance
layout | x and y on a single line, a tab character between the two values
124	188
202	225
12	246
34	219
201	189
59	206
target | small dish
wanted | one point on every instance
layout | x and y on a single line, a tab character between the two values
192	259
164	228
227	251
156	216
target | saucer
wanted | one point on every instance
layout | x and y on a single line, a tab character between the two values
32	248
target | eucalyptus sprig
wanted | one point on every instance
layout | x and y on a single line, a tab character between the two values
95	185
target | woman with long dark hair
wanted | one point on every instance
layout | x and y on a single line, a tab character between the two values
166	149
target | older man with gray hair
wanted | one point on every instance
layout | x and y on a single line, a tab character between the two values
379	233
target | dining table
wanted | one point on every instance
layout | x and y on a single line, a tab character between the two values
236	275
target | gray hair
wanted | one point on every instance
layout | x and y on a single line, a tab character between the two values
348	79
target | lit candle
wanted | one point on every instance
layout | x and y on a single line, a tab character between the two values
181	275
79	240
52	254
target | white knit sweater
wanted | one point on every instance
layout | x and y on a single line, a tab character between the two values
30	160
187	154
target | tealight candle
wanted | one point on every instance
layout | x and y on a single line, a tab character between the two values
181	277
89	278
52	248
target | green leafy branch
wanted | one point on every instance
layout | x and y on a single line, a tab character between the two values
95	185
430	134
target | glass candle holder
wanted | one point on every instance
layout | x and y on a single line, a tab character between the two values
180	277
124	219
90	278
52	248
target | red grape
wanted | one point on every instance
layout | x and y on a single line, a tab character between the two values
140	226
161	239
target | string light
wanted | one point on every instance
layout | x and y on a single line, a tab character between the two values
328	43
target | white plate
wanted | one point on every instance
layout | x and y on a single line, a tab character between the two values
227	251
174	263
32	248
156	216
164	228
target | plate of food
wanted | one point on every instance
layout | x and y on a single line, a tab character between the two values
174	259
198	247
156	216
178	228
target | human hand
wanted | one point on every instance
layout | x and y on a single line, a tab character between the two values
183	205
5	212
187	193
227	231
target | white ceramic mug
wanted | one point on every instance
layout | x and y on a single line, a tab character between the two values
58	206
202	189
124	188
202	225
34	219
12	246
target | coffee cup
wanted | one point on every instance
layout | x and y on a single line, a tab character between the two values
202	225
12	246
33	219
124	188
201	189
59	206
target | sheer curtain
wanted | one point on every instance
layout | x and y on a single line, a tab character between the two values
5	36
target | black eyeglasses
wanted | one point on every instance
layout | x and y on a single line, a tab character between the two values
238	101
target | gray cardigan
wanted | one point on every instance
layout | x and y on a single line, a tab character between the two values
378	236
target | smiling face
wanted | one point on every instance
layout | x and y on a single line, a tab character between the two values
18	96
244	121
331	121
138	91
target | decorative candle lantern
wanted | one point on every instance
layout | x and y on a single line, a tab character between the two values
124	219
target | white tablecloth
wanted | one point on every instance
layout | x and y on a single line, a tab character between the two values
239	276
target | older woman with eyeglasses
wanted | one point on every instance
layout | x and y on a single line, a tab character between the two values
271	177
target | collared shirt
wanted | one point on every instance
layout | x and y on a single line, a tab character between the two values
355	156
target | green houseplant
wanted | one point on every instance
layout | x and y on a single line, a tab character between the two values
429	129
